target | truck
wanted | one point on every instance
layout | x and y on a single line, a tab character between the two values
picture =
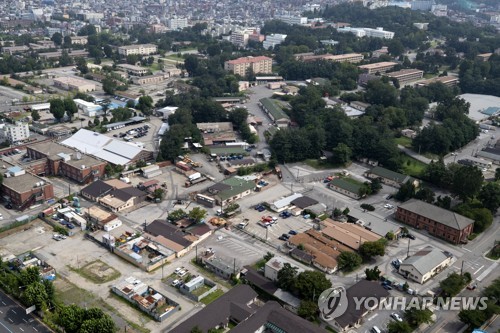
189	183
194	176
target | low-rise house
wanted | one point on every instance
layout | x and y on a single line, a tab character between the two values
353	316
348	234
348	188
231	189
424	264
222	268
198	288
144	253
389	177
96	190
274	265
146	298
284	203
102	218
437	221
275	112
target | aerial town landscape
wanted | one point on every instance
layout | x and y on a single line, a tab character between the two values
235	166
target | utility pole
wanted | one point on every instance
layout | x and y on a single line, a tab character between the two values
462	269
234	267
267	230
196	253
408	252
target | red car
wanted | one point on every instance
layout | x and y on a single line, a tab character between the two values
267	218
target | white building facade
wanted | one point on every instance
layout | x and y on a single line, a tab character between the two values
14	133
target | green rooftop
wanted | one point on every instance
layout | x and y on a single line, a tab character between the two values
238	186
347	185
388	174
275	110
227	151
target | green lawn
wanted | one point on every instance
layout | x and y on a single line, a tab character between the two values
320	164
175	57
412	166
212	297
201	290
403	141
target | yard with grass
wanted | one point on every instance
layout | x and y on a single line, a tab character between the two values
68	293
321	164
411	166
403	141
97	271
201	290
212	297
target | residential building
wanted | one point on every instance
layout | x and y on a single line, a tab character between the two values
133	70
121	199
222	268
437	221
241	66
231	189
391	178
103	218
178	23
217	133
140	49
22	189
349	57
54	159
289	19
405	76
348	234
424	264
368	32
240	37
352	318
96	190
14	132
349	188
234	306
446	80
146	298
275	264
57	54
149	79
382	51
79	40
71	83
273	39
378	67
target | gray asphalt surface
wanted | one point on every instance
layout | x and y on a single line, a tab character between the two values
13	318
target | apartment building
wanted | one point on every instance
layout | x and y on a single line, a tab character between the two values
368	32
141	49
379	67
288	19
349	57
149	79
446	80
273	40
240	66
71	83
438	221
14	132
133	70
406	76
241	37
178	23
79	40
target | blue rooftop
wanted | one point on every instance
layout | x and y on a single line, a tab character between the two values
491	111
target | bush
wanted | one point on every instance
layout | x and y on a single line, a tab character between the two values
368	207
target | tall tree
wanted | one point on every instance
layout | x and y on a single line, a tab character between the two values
57	108
467	182
197	214
489	195
70	107
35	115
310	284
286	276
57	38
349	261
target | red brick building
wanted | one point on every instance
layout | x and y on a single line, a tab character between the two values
53	159
438	221
22	189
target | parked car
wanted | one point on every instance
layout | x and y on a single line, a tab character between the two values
267	219
388	206
410	236
472	286
175	283
396	317
292	232
70	226
284	237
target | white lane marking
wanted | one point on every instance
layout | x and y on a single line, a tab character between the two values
25	320
3	303
487	271
10	320
6	327
21	329
13	311
480	268
372	316
35	329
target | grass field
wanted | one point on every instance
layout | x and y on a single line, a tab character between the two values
320	165
97	271
412	166
403	141
212	297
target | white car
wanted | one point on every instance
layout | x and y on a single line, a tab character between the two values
388	206
177	270
175	283
396	317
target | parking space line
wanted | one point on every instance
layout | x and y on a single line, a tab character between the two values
480	268
376	314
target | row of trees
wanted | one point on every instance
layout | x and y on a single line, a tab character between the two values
61	107
28	286
476	318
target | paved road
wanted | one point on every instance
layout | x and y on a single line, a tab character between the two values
13	318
